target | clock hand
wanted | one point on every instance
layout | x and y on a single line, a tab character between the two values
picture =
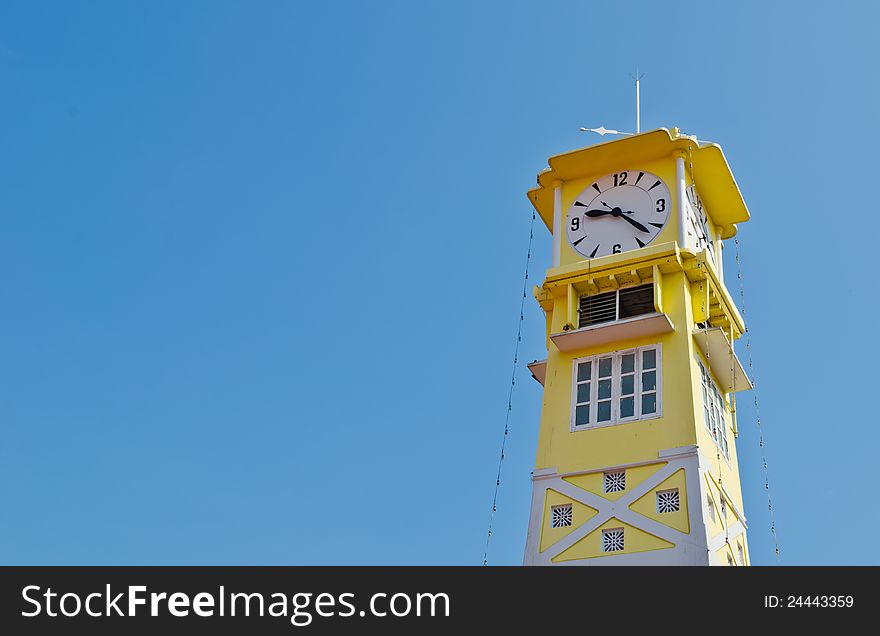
635	224
613	212
593	213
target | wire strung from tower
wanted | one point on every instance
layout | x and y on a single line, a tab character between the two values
761	441
519	327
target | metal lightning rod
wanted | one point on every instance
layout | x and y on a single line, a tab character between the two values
602	131
637	78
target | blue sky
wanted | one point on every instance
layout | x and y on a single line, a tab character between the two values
262	265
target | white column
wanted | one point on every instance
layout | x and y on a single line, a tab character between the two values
680	187
719	249
557	222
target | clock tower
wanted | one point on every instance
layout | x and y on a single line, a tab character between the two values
636	460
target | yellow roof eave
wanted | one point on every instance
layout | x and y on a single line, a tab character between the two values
711	172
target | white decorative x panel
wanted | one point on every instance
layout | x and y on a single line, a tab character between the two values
694	543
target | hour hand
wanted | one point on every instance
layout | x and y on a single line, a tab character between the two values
635	223
592	213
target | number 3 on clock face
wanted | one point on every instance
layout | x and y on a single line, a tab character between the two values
622	211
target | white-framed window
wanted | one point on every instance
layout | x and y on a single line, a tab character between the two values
713	410
612	540
723	508
668	501
729	560
741	553
612	388
560	516
711	506
615	482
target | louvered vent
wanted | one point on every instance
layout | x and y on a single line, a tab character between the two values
612	540
597	309
560	516
636	301
610	306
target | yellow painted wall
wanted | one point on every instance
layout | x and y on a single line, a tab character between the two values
647	504
682	420
581	513
632	442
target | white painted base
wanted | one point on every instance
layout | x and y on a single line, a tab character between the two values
694	548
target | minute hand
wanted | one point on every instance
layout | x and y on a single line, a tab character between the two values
635	223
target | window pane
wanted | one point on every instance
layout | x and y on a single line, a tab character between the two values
649	403
649	359
627	407
604	389
627	384
628	363
584	371
582	415
583	393
604	413
649	381
604	367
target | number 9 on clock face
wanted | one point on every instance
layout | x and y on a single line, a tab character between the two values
619	212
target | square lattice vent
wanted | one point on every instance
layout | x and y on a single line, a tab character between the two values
668	501
615	482
560	516
612	540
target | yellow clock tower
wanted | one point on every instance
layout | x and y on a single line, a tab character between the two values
636	461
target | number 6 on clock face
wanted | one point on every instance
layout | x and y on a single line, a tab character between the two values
621	211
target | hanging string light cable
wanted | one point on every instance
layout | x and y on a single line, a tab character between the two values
761	444
522	305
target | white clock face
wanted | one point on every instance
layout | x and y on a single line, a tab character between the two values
699	234
622	211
